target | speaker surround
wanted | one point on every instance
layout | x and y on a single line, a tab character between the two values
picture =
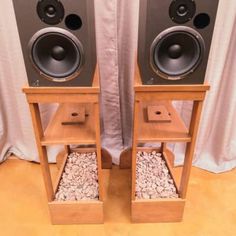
58	42
174	40
56	54
176	52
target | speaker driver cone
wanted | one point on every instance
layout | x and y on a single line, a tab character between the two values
56	53
176	52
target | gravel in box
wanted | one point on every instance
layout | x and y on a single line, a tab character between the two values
153	179
79	180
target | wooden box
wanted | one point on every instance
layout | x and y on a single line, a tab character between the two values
160	209
75	212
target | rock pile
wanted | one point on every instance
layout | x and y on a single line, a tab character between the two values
79	180
153	179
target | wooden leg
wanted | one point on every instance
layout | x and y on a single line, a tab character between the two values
106	159
163	147
134	149
67	149
126	159
38	130
196	115
98	146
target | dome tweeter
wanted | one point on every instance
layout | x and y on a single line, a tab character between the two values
50	12
182	11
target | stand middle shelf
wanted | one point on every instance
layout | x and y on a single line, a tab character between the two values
82	133
175	130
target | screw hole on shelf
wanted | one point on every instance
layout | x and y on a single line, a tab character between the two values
74	114
158	112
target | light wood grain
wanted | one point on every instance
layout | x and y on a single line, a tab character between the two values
99	154
161	132
161	210
74	114
158	113
83	133
38	130
134	148
149	96
60	90
196	115
175	131
87	133
62	98
60	172
126	159
106	159
82	212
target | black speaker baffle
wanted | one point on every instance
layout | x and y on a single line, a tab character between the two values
182	11
50	11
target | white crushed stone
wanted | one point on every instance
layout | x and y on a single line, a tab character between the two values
153	179
79	180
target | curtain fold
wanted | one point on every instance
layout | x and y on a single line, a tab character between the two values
107	48
127	48
117	27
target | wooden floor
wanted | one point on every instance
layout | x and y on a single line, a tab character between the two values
210	208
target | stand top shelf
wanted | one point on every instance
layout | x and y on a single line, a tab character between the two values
64	94
139	87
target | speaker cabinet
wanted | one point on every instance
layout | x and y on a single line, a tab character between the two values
58	41
174	40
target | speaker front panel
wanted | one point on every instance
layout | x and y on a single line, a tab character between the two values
174	40
58	41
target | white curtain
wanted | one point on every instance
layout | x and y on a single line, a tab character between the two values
216	144
117	26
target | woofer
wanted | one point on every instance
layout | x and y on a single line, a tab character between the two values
56	54
176	52
50	11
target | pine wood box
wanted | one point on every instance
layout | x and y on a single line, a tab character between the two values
158	210
75	212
